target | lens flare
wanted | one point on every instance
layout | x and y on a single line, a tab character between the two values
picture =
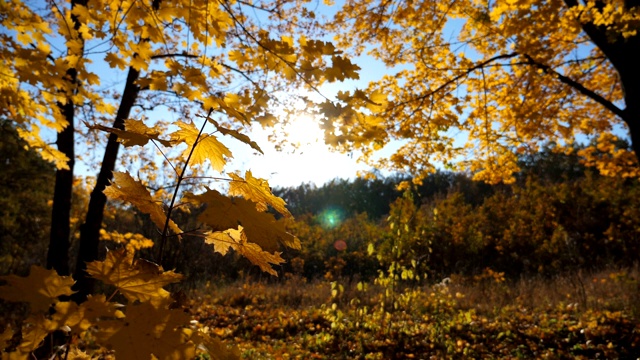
332	217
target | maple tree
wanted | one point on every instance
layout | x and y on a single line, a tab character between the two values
186	58
475	84
233	57
152	324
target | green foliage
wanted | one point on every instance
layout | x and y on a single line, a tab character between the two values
26	186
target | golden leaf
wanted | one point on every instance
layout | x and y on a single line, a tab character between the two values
34	330
80	317
136	279
342	69
207	147
258	191
77	354
135	133
146	330
5	337
237	240
239	136
115	61
125	188
260	227
40	289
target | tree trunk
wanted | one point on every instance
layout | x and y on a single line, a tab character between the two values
620	52
58	252
90	230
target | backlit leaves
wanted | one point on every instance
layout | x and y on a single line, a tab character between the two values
237	240
81	317
258	191
125	188
237	135
136	279
148	329
213	55
48	285
261	228
342	69
206	148
135	133
471	85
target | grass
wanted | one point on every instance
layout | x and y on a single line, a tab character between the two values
578	315
574	316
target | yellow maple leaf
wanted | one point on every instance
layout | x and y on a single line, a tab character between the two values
237	135
115	61
136	279
34	329
81	317
77	354
125	188
206	148
40	289
146	330
135	133
6	336
258	191
342	69
237	240
260	227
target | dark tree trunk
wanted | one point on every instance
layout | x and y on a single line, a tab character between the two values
58	252
90	230
629	70
621	52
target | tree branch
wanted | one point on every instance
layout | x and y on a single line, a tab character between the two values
576	85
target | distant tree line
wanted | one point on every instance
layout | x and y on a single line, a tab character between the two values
558	216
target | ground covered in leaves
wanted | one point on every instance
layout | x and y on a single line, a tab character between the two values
572	317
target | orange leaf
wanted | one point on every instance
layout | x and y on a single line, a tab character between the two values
125	188
237	240
207	146
40	289
258	191
136	279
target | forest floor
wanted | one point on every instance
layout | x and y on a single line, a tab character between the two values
576	316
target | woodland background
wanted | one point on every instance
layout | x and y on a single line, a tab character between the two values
442	269
511	230
559	216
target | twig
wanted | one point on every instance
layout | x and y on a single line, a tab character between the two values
181	177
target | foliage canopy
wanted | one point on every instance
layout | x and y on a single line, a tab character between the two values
476	83
178	54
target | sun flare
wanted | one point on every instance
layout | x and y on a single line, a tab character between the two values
303	131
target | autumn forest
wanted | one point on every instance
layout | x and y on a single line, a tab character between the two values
500	217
